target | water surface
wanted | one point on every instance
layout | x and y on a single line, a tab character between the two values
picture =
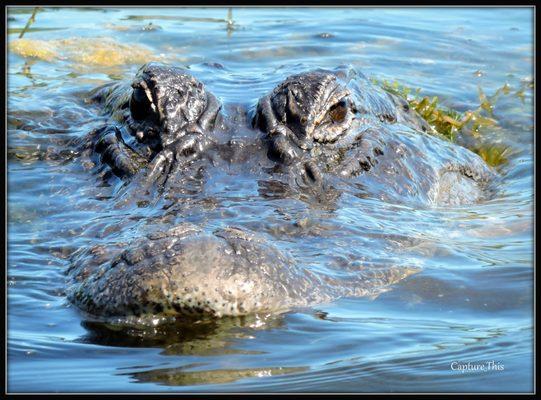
470	302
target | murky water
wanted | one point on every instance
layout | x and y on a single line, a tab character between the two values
471	302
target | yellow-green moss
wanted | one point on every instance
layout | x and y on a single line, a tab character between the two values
29	48
83	51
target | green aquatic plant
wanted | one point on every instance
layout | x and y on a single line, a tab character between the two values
30	21
493	154
448	123
230	23
95	51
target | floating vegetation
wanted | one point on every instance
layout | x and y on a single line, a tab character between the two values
105	52
228	20
118	28
493	154
448	123
87	51
12	31
230	23
173	18
20	10
28	48
149	27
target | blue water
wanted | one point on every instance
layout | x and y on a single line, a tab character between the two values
471	302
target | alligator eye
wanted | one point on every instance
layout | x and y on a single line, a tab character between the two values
338	111
140	106
303	120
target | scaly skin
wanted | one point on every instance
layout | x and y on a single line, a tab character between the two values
186	272
166	110
323	130
323	122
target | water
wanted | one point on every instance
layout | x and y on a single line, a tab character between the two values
472	300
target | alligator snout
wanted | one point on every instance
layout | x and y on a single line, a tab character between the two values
184	271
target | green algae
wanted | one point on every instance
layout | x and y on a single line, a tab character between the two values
96	51
449	123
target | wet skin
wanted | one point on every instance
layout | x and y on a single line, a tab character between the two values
316	132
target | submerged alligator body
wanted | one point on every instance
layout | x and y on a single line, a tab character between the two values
317	134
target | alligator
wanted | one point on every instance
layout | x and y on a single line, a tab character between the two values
315	135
